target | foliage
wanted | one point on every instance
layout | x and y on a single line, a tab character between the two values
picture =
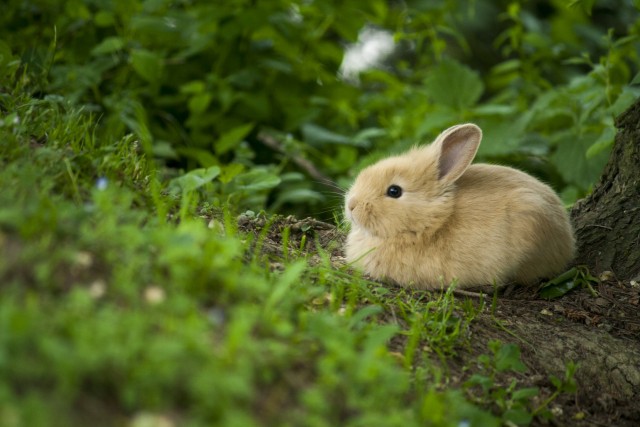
516	404
576	277
197	83
112	315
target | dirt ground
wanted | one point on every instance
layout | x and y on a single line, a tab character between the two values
600	332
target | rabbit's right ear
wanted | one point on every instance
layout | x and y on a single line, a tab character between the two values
457	146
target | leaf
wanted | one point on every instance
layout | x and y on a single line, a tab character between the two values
604	142
494	110
284	283
364	137
518	416
557	382
572	163
508	358
483	381
363	314
199	103
229	172
232	137
104	18
195	178
164	149
525	393
560	285
108	45
257	180
147	64
204	157
454	85
193	87
501	136
317	135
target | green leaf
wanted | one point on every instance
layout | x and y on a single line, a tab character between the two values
508	358
454	85
604	142
559	290
363	314
229	172
518	416
571	161
560	285
193	87
297	196
494	110
204	157
257	180
199	103
557	382
525	393
483	381
147	64
317	135
231	138
284	283
108	45
195	178
104	18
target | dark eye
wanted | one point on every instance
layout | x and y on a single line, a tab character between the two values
394	191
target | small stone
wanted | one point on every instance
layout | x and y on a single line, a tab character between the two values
556	410
606	276
546	312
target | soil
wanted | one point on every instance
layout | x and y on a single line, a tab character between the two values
600	331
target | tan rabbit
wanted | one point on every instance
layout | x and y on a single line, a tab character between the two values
426	218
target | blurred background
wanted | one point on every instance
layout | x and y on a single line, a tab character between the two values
267	100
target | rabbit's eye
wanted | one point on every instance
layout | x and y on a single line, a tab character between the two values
394	191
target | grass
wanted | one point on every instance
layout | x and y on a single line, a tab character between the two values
124	302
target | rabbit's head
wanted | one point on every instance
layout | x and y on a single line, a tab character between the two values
414	192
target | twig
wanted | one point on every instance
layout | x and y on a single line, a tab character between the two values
271	142
600	226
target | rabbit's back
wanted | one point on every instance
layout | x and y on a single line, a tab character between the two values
507	226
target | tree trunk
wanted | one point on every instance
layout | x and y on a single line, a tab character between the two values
607	223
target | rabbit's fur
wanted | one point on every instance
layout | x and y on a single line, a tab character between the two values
476	224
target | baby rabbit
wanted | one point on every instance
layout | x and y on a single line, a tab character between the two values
428	217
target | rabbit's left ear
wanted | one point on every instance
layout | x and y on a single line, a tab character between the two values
457	147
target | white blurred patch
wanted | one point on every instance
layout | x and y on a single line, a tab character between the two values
371	49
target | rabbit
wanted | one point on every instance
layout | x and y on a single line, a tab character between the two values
427	218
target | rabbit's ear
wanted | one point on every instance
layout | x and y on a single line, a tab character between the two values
458	146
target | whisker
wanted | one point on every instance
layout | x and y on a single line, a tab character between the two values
331	184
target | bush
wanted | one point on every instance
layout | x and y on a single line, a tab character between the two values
199	84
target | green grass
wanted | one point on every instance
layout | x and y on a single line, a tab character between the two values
123	301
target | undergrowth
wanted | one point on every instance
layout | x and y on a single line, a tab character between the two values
107	309
122	305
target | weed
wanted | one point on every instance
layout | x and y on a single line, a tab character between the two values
516	405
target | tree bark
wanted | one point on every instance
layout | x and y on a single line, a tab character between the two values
607	223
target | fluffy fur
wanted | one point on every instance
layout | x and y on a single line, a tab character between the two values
476	224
